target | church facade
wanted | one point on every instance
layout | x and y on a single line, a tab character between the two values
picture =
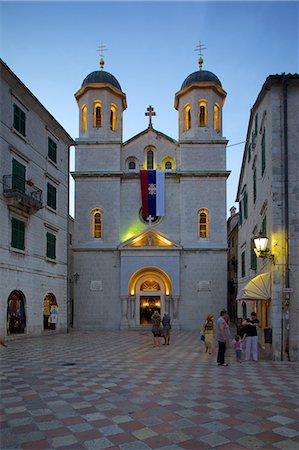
130	261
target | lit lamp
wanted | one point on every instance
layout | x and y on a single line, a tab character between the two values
261	247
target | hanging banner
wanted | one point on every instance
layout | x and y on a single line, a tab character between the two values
152	192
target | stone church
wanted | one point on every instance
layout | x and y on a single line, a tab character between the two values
130	259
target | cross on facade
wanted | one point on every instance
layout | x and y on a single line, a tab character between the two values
150	218
150	112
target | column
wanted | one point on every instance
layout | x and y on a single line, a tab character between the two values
175	320
124	324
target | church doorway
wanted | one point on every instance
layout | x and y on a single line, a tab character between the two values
148	305
50	311
16	313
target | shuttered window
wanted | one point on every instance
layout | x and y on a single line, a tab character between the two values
52	150
17	234
19	120
51	196
18	176
51	246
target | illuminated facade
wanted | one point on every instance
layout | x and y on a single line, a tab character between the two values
269	203
129	265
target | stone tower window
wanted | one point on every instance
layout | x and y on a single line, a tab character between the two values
187	117
216	117
203	113
97	114
113	117
203	223
97	225
84	118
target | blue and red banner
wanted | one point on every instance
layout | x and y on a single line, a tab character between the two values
152	192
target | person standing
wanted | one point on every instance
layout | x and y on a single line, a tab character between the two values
251	339
238	348
156	328
208	331
221	336
166	328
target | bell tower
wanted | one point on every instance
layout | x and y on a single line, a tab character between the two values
101	103
199	103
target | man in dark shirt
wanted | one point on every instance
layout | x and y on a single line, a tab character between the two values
251	336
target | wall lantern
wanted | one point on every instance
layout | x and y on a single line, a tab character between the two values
261	247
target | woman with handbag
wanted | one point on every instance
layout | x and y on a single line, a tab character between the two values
208	331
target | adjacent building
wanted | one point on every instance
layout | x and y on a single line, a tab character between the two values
268	279
34	167
150	212
232	263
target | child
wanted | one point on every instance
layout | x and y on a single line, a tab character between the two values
238	348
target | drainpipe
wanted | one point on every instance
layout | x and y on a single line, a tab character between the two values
69	275
286	195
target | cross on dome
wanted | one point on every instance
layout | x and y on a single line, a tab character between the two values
102	48
199	48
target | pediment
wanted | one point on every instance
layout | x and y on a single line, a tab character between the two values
149	239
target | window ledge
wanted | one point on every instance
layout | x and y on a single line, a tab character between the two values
15	131
50	260
17	250
52	162
51	209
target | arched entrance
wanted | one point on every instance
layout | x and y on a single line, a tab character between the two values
149	288
50	311
16	313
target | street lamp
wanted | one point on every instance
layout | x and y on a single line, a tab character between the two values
261	247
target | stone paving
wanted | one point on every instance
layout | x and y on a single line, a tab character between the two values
114	390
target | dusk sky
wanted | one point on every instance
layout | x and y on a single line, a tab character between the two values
52	46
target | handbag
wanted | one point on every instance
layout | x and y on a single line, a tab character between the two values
202	338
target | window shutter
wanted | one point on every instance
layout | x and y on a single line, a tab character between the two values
17	234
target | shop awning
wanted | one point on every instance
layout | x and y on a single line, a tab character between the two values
256	289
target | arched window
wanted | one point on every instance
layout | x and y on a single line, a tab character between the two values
187	114
132	165
216	117
97	225
168	165
84	118
113	117
203	113
150	160
203	223
97	114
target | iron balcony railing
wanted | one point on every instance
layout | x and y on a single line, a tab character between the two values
26	193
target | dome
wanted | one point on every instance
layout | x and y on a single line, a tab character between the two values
100	76
201	76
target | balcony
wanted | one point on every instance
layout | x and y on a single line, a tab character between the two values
22	194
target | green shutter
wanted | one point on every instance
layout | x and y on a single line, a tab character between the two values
19	120
254	185
253	256
18	176
17	234
52	150
264	151
51	196
245	202
51	246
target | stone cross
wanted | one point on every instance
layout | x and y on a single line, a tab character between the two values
150	112
150	218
